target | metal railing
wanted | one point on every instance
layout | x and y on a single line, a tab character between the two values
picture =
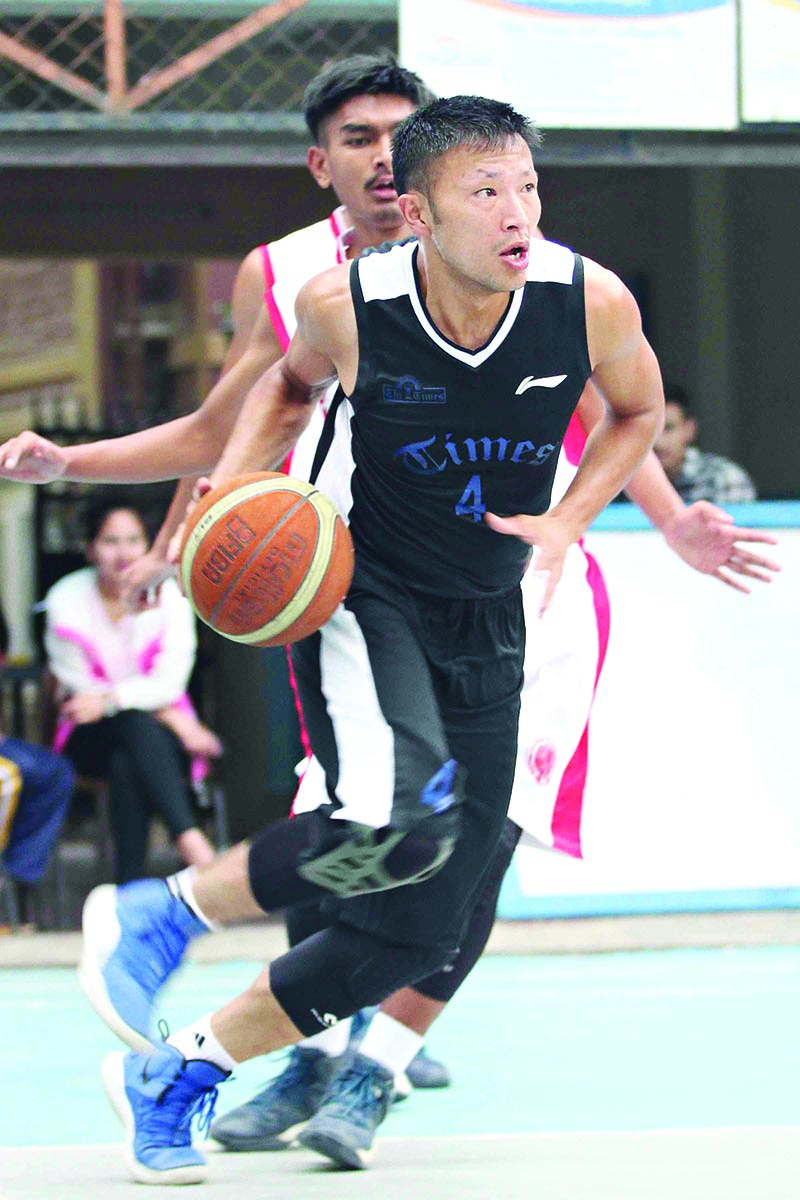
179	63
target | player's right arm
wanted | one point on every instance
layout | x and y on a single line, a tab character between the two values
279	406
247	307
189	445
250	323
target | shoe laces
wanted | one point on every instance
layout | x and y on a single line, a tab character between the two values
202	1107
357	1088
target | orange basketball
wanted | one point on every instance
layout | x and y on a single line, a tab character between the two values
266	559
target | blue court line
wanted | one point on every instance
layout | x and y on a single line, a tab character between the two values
514	904
763	514
668	1039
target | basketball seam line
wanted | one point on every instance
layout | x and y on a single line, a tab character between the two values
245	565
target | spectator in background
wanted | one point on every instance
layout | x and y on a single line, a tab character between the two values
35	791
695	474
124	712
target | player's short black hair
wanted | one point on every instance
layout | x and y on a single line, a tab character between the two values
445	124
359	75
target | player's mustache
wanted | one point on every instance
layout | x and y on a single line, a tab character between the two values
384	176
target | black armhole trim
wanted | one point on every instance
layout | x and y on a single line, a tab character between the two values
326	437
362	329
579	293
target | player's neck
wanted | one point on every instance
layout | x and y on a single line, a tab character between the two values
462	310
360	237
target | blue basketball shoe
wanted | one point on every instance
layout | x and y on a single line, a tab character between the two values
133	939
156	1096
274	1117
344	1127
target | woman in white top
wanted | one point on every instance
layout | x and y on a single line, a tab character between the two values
125	714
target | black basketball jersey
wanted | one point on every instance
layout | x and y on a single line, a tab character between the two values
441	435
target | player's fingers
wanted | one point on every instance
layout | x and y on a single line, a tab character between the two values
174	548
515	526
548	568
550	587
746	569
729	580
16	449
755	535
755	560
201	488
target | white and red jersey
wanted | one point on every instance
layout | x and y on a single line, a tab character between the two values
289	263
564	653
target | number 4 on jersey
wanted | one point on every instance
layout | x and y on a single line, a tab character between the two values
471	503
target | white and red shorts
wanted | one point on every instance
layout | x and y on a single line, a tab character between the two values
564	655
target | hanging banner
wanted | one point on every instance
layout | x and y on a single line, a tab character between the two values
582	64
770	38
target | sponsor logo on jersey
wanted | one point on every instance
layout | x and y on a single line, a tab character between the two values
546	381
409	390
541	758
432	455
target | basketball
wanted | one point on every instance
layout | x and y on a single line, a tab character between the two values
266	559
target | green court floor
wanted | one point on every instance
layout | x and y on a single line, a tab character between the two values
684	1039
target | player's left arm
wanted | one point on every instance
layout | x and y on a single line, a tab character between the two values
626	373
703	535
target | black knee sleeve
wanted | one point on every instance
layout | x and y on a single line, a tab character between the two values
303	920
313	856
444	984
352	859
336	972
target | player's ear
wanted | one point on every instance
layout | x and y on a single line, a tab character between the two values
317	163
416	212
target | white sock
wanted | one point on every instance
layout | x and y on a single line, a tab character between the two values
181	885
332	1041
198	1040
390	1043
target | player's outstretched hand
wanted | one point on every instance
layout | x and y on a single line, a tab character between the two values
707	538
143	579
551	536
200	489
30	458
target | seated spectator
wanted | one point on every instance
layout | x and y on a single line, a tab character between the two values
35	791
124	713
695	474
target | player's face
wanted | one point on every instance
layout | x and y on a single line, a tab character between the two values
355	158
120	541
484	209
670	445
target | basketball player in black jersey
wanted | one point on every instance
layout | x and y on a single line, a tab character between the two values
462	361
